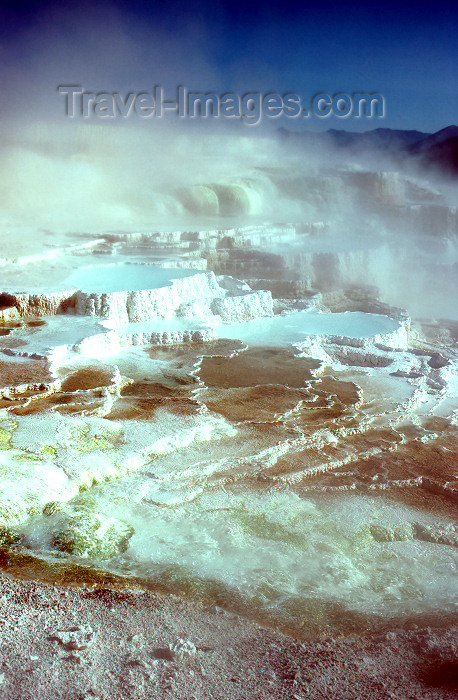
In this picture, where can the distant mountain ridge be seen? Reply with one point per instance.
(391, 138)
(438, 150)
(430, 140)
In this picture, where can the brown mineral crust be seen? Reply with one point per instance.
(24, 372)
(88, 378)
(257, 366)
(259, 403)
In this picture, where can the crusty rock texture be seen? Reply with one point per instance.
(81, 644)
(196, 296)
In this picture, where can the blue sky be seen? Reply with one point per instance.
(405, 50)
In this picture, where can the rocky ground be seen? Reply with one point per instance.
(87, 644)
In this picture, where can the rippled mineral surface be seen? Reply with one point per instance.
(257, 415)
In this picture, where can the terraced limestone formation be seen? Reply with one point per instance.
(258, 415)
